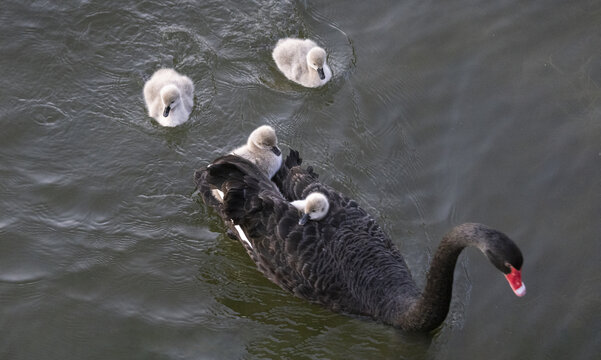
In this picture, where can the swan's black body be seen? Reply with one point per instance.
(344, 261)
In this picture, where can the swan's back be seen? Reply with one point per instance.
(344, 261)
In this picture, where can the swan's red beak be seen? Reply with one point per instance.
(515, 281)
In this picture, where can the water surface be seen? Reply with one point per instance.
(438, 113)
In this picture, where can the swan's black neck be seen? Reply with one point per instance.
(429, 309)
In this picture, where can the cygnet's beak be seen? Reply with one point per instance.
(303, 220)
(276, 150)
(166, 112)
(320, 73)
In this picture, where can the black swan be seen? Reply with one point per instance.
(344, 261)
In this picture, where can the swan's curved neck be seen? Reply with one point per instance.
(431, 307)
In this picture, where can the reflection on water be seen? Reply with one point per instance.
(437, 114)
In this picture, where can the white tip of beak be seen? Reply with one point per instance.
(521, 291)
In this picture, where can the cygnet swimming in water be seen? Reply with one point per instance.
(302, 61)
(169, 97)
(262, 150)
(315, 207)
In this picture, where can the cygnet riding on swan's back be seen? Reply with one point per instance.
(302, 61)
(262, 150)
(315, 207)
(169, 97)
(344, 260)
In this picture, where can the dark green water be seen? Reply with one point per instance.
(438, 113)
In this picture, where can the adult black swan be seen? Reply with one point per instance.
(343, 261)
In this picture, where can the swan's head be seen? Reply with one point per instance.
(264, 138)
(316, 58)
(505, 255)
(170, 96)
(315, 207)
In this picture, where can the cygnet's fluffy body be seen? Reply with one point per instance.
(169, 97)
(262, 150)
(302, 61)
(315, 207)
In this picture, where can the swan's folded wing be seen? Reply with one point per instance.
(293, 180)
(206, 191)
(270, 225)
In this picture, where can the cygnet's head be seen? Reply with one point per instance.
(316, 58)
(316, 207)
(170, 96)
(264, 138)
